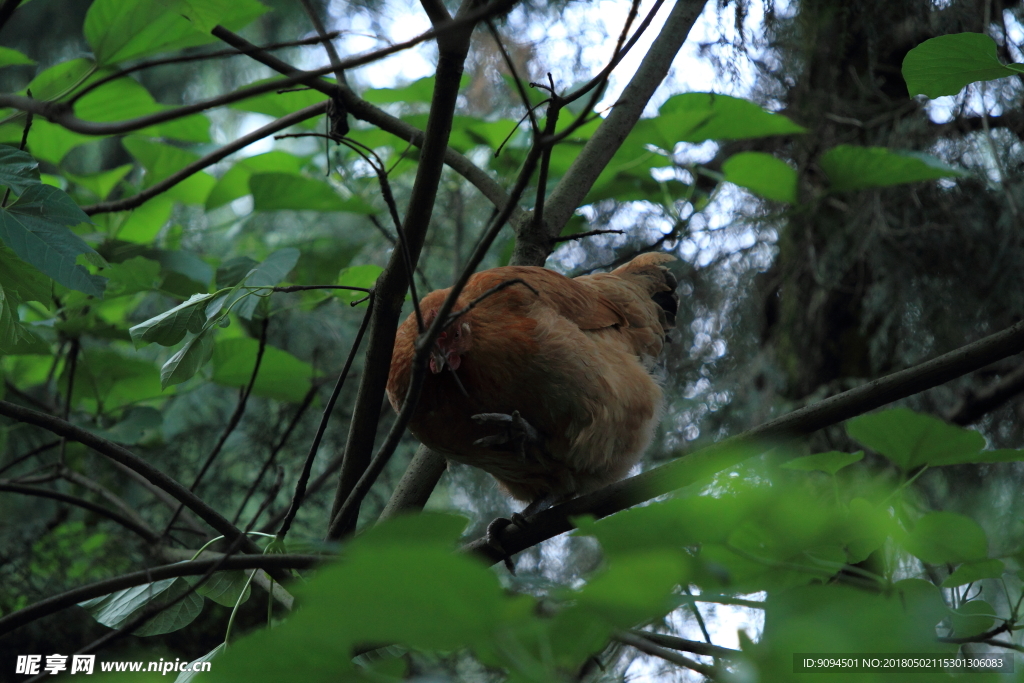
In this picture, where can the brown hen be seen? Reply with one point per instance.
(556, 370)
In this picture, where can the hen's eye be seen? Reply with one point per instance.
(457, 333)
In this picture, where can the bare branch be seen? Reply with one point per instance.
(206, 161)
(417, 483)
(533, 242)
(647, 647)
(694, 646)
(147, 534)
(125, 457)
(694, 467)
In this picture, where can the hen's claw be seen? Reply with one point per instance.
(495, 528)
(515, 435)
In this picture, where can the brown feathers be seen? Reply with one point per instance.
(571, 356)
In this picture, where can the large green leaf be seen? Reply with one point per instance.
(279, 104)
(830, 462)
(695, 117)
(969, 572)
(22, 280)
(357, 276)
(911, 439)
(119, 608)
(273, 191)
(763, 175)
(189, 358)
(282, 376)
(235, 183)
(118, 30)
(170, 327)
(855, 168)
(50, 142)
(276, 191)
(61, 78)
(941, 537)
(273, 270)
(9, 57)
(945, 64)
(225, 588)
(18, 170)
(972, 618)
(162, 160)
(126, 98)
(134, 275)
(106, 380)
(35, 228)
(101, 184)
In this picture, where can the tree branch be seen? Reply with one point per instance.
(694, 646)
(647, 647)
(417, 483)
(533, 243)
(206, 161)
(72, 597)
(122, 455)
(391, 286)
(147, 534)
(694, 467)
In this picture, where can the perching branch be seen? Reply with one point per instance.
(647, 647)
(687, 469)
(684, 645)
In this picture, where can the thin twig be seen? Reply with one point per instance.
(583, 235)
(647, 647)
(28, 454)
(181, 59)
(236, 417)
(493, 290)
(144, 532)
(515, 77)
(694, 646)
(300, 486)
(72, 367)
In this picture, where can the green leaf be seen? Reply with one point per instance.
(235, 183)
(117, 609)
(18, 170)
(118, 30)
(190, 672)
(135, 275)
(225, 588)
(763, 175)
(22, 280)
(50, 142)
(126, 98)
(695, 117)
(636, 587)
(279, 104)
(106, 379)
(267, 274)
(188, 360)
(170, 327)
(162, 160)
(421, 90)
(103, 183)
(282, 376)
(969, 572)
(973, 618)
(233, 271)
(830, 462)
(945, 64)
(357, 276)
(911, 439)
(9, 57)
(855, 168)
(142, 224)
(58, 80)
(998, 455)
(277, 191)
(34, 227)
(137, 422)
(941, 537)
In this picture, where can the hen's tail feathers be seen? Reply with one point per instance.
(647, 272)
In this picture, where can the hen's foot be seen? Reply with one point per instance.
(495, 528)
(516, 433)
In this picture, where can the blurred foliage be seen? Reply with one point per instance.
(837, 232)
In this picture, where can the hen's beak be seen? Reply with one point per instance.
(437, 359)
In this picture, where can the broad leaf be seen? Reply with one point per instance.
(170, 327)
(855, 168)
(763, 175)
(35, 228)
(119, 608)
(357, 276)
(119, 30)
(225, 588)
(18, 170)
(9, 57)
(276, 191)
(162, 160)
(273, 270)
(945, 64)
(50, 142)
(187, 361)
(695, 117)
(126, 98)
(22, 280)
(101, 184)
(190, 672)
(941, 537)
(282, 376)
(135, 275)
(830, 462)
(235, 183)
(972, 618)
(911, 439)
(969, 572)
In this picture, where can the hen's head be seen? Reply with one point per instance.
(450, 345)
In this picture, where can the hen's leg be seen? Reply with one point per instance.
(495, 528)
(516, 433)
